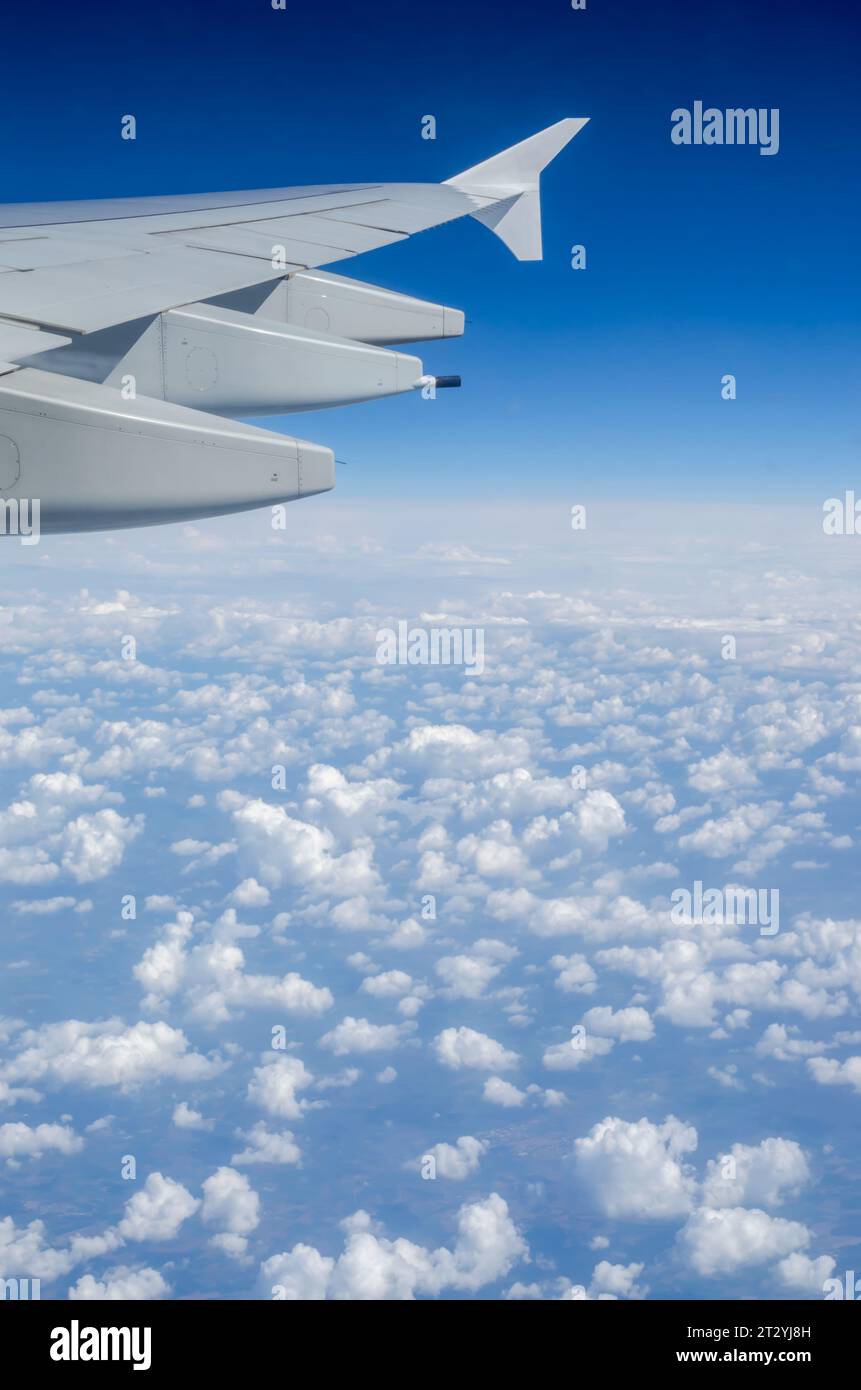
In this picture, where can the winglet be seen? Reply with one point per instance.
(506, 187)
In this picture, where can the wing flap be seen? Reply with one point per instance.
(102, 293)
(406, 208)
(18, 340)
(46, 252)
(326, 231)
(322, 232)
(243, 241)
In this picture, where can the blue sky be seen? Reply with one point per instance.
(261, 906)
(701, 261)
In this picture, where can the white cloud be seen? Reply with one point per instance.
(372, 1267)
(801, 1275)
(106, 1054)
(360, 1035)
(465, 977)
(500, 1092)
(391, 984)
(761, 1175)
(566, 1056)
(184, 1117)
(627, 682)
(725, 835)
(596, 819)
(455, 1161)
(464, 1047)
(781, 1041)
(265, 1146)
(122, 1283)
(230, 1203)
(25, 1253)
(616, 1281)
(250, 893)
(719, 1240)
(576, 975)
(286, 851)
(274, 1084)
(722, 772)
(303, 1275)
(157, 1211)
(637, 1169)
(20, 1141)
(455, 751)
(94, 845)
(828, 1072)
(626, 1025)
(211, 977)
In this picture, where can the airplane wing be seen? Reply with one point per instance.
(148, 316)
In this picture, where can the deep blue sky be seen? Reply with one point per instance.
(701, 260)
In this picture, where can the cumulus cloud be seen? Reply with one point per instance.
(828, 1072)
(25, 1253)
(501, 1092)
(275, 1083)
(211, 977)
(184, 1117)
(550, 799)
(608, 1282)
(465, 977)
(721, 772)
(716, 1241)
(625, 1025)
(761, 1175)
(616, 1281)
(94, 845)
(454, 750)
(802, 1275)
(250, 893)
(20, 1141)
(725, 835)
(576, 975)
(360, 1035)
(123, 1283)
(454, 1161)
(389, 984)
(283, 850)
(266, 1146)
(231, 1205)
(781, 1041)
(157, 1211)
(584, 1047)
(460, 1048)
(105, 1054)
(637, 1169)
(372, 1267)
